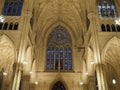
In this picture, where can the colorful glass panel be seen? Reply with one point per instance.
(12, 7)
(61, 55)
(106, 8)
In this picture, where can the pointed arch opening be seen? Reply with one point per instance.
(7, 59)
(58, 86)
(59, 50)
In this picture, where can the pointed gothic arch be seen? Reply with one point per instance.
(59, 82)
(114, 40)
(59, 50)
(58, 86)
(110, 59)
(7, 58)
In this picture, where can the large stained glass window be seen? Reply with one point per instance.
(59, 52)
(58, 86)
(12, 7)
(106, 8)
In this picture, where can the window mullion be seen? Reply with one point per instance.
(54, 57)
(63, 59)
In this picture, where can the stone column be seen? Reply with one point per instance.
(94, 28)
(101, 77)
(85, 86)
(32, 86)
(25, 83)
(92, 83)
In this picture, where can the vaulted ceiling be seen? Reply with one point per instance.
(49, 12)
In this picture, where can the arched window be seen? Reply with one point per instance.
(5, 26)
(11, 26)
(106, 8)
(1, 25)
(108, 27)
(113, 28)
(12, 7)
(103, 27)
(118, 28)
(59, 52)
(16, 26)
(58, 86)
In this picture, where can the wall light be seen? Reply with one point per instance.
(114, 81)
(36, 82)
(25, 62)
(5, 73)
(117, 21)
(31, 72)
(81, 83)
(92, 62)
(2, 18)
(86, 73)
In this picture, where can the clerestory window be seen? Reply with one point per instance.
(106, 8)
(59, 51)
(12, 7)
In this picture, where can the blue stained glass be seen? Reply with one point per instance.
(107, 8)
(60, 52)
(15, 9)
(12, 8)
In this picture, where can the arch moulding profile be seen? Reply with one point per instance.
(10, 41)
(114, 41)
(55, 81)
(45, 33)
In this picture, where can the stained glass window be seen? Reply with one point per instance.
(58, 86)
(12, 7)
(106, 8)
(59, 52)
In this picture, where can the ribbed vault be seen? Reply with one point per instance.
(7, 55)
(112, 55)
(49, 12)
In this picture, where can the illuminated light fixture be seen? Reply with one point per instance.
(36, 82)
(114, 81)
(31, 72)
(92, 62)
(2, 18)
(117, 21)
(86, 73)
(25, 62)
(81, 83)
(5, 73)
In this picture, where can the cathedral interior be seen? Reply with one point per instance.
(59, 45)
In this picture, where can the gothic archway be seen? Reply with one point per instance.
(7, 59)
(58, 86)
